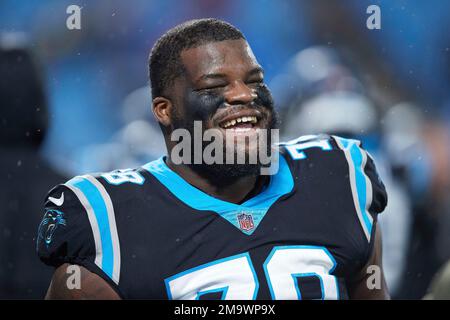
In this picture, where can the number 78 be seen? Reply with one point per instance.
(235, 277)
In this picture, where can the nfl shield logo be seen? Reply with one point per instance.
(245, 221)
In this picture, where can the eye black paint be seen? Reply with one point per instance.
(201, 106)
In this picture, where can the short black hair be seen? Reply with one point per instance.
(165, 63)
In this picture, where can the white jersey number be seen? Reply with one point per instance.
(234, 278)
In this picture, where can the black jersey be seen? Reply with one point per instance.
(152, 235)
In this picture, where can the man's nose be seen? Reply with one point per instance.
(240, 93)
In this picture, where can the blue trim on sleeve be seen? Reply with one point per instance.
(98, 206)
(361, 187)
(360, 181)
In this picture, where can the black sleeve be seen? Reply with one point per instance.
(65, 234)
(379, 194)
(368, 190)
(363, 175)
(379, 198)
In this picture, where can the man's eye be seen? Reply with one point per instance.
(255, 81)
(210, 88)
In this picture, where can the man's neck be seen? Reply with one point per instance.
(235, 192)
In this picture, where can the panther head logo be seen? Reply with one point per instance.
(52, 219)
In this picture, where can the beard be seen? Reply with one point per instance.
(223, 174)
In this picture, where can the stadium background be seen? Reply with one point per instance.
(328, 72)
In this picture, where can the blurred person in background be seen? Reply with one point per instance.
(24, 176)
(414, 146)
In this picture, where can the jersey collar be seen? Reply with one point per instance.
(245, 216)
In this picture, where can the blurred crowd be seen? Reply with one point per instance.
(76, 101)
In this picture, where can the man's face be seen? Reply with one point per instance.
(222, 83)
(223, 87)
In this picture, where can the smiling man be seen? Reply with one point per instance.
(196, 230)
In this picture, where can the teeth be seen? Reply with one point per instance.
(239, 120)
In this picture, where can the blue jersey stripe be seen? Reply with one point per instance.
(98, 206)
(361, 186)
(356, 157)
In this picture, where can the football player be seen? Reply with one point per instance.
(170, 230)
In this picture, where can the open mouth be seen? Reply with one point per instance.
(241, 123)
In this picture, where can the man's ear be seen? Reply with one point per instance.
(163, 109)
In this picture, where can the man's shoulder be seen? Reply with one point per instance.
(117, 182)
(337, 165)
(83, 216)
(118, 178)
(101, 191)
(317, 148)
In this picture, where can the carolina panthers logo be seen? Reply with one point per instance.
(52, 219)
